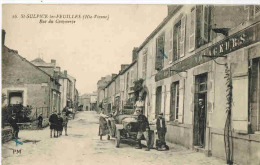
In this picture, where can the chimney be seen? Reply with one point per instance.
(57, 69)
(65, 73)
(134, 54)
(113, 75)
(123, 66)
(3, 36)
(53, 61)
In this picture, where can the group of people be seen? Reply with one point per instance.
(58, 122)
(143, 127)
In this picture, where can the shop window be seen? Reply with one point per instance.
(199, 26)
(174, 105)
(144, 63)
(160, 54)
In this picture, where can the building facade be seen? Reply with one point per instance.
(24, 83)
(191, 57)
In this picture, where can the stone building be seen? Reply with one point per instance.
(101, 89)
(64, 89)
(26, 84)
(186, 59)
(88, 101)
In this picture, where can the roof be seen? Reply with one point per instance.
(123, 71)
(120, 73)
(40, 62)
(24, 59)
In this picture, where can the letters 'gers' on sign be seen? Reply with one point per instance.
(232, 43)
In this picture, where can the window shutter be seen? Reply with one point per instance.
(174, 42)
(162, 52)
(182, 42)
(170, 54)
(157, 59)
(205, 25)
(240, 97)
(181, 99)
(173, 102)
(192, 30)
(159, 53)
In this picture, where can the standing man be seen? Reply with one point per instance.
(139, 105)
(15, 128)
(201, 122)
(143, 129)
(53, 121)
(161, 130)
(40, 119)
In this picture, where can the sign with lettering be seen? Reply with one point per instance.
(232, 43)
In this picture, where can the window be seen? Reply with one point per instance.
(144, 63)
(174, 105)
(256, 10)
(200, 26)
(132, 78)
(15, 98)
(127, 80)
(176, 41)
(159, 61)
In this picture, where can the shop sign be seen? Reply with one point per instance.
(222, 48)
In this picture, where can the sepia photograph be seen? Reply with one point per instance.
(130, 84)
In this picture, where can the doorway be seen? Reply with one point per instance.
(255, 95)
(200, 110)
(158, 101)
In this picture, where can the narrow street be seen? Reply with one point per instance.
(83, 146)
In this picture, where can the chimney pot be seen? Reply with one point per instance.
(134, 54)
(53, 61)
(65, 73)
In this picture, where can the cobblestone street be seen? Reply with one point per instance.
(83, 146)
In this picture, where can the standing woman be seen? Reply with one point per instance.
(103, 128)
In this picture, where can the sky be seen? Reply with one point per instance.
(89, 48)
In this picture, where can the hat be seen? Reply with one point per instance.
(201, 99)
(161, 114)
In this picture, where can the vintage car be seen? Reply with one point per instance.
(124, 127)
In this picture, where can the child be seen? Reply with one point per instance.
(65, 123)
